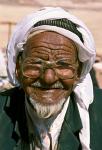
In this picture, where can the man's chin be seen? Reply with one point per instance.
(47, 111)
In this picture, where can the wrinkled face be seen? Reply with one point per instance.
(48, 67)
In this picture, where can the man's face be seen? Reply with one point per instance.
(47, 69)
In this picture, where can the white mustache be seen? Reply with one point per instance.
(56, 85)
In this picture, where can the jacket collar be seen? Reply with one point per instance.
(70, 128)
(69, 136)
(16, 112)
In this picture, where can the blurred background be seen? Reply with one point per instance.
(12, 11)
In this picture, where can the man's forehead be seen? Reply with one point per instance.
(50, 44)
(49, 37)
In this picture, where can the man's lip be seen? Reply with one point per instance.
(45, 88)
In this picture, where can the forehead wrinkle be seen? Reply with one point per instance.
(37, 49)
(41, 55)
(49, 37)
(65, 56)
(59, 45)
(47, 50)
(60, 52)
(35, 43)
(43, 48)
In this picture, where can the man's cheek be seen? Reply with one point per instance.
(27, 81)
(68, 83)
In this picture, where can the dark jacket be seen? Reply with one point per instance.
(12, 111)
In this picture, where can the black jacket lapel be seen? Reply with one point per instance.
(69, 136)
(16, 112)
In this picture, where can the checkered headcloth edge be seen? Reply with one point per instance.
(63, 23)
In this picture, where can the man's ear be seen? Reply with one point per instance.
(18, 67)
(79, 70)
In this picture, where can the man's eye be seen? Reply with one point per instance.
(62, 63)
(37, 62)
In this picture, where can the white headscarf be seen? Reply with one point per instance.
(86, 54)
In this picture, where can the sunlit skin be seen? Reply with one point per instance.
(48, 46)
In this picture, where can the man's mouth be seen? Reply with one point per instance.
(47, 94)
(56, 85)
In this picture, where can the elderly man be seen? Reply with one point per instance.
(50, 55)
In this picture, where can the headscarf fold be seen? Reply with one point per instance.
(86, 53)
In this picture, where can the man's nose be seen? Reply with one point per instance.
(49, 76)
